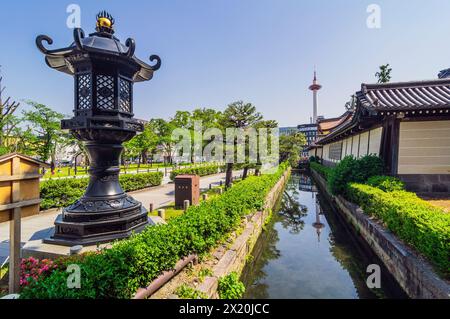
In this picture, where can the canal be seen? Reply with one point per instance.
(307, 251)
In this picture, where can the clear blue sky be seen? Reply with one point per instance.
(218, 51)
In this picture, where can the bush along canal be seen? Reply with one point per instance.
(308, 251)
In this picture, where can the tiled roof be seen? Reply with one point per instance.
(406, 95)
(330, 124)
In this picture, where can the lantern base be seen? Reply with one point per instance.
(95, 226)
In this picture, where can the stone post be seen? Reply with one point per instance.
(162, 213)
(186, 204)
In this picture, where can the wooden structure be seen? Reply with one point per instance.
(407, 124)
(19, 197)
(187, 187)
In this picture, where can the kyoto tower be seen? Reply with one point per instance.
(315, 87)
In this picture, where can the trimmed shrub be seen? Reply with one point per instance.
(200, 170)
(132, 263)
(354, 170)
(64, 192)
(418, 223)
(321, 169)
(386, 183)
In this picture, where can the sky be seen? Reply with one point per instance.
(215, 52)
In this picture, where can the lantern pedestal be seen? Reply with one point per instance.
(105, 212)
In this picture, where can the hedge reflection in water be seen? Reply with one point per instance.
(305, 252)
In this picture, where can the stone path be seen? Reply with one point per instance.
(39, 226)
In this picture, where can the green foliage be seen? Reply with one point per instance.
(386, 183)
(142, 143)
(290, 147)
(415, 221)
(351, 170)
(199, 170)
(203, 273)
(321, 169)
(315, 159)
(132, 263)
(186, 292)
(230, 287)
(63, 192)
(46, 125)
(384, 75)
(132, 182)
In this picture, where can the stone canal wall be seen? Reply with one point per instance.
(234, 258)
(413, 273)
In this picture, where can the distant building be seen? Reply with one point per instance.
(310, 131)
(288, 130)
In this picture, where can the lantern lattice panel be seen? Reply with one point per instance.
(105, 92)
(84, 91)
(125, 96)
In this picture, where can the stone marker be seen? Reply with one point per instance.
(75, 250)
(187, 187)
(205, 196)
(186, 204)
(162, 213)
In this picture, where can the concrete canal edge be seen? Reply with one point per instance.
(235, 257)
(412, 272)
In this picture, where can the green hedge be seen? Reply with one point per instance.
(200, 170)
(418, 223)
(63, 192)
(386, 183)
(353, 170)
(321, 169)
(118, 272)
(425, 227)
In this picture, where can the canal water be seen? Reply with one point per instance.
(307, 251)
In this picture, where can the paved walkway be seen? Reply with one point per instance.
(38, 226)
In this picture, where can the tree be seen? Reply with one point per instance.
(142, 143)
(47, 134)
(209, 118)
(384, 75)
(242, 116)
(163, 129)
(266, 124)
(8, 123)
(290, 147)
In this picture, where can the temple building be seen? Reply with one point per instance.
(407, 124)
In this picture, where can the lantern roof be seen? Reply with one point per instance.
(101, 42)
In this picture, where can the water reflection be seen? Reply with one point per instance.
(305, 252)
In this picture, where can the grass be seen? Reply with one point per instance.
(81, 170)
(171, 212)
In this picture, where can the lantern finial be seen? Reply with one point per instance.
(105, 22)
